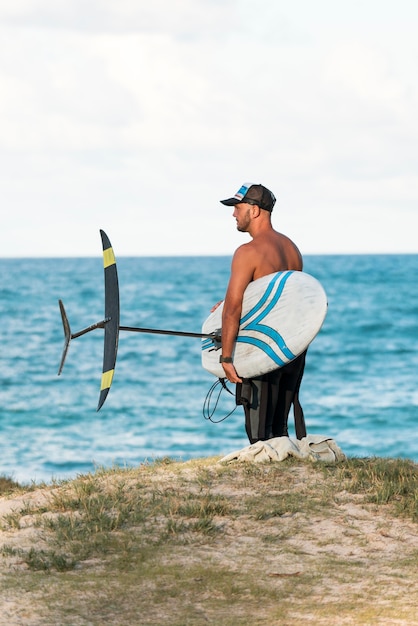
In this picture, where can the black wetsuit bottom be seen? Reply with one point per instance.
(267, 400)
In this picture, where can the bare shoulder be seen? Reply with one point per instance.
(245, 250)
(243, 266)
(291, 247)
(246, 257)
(276, 252)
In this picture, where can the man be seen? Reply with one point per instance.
(266, 399)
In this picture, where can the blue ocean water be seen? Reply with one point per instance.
(360, 385)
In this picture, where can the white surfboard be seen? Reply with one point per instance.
(281, 315)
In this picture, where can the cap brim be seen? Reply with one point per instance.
(230, 201)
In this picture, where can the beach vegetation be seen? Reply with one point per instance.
(204, 542)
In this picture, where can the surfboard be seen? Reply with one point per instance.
(281, 315)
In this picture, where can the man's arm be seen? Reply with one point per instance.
(242, 271)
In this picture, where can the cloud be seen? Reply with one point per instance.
(143, 115)
(182, 19)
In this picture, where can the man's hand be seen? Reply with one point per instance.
(231, 373)
(215, 306)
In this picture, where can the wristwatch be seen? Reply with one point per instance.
(225, 359)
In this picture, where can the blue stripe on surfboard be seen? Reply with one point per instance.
(207, 343)
(263, 329)
(273, 334)
(282, 276)
(271, 304)
(254, 324)
(264, 347)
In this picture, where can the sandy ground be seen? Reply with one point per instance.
(383, 546)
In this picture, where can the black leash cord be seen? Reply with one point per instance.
(207, 412)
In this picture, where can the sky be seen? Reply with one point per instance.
(137, 117)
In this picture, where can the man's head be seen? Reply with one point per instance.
(250, 193)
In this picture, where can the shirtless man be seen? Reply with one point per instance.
(266, 399)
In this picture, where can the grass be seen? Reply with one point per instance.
(8, 485)
(382, 481)
(199, 542)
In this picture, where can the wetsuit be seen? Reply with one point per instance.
(267, 400)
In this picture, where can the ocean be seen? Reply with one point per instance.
(360, 385)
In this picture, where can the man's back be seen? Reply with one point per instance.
(273, 252)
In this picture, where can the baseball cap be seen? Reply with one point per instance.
(253, 193)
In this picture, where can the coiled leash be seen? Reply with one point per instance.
(208, 413)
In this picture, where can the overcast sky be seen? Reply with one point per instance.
(137, 117)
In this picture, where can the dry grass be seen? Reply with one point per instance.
(203, 543)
